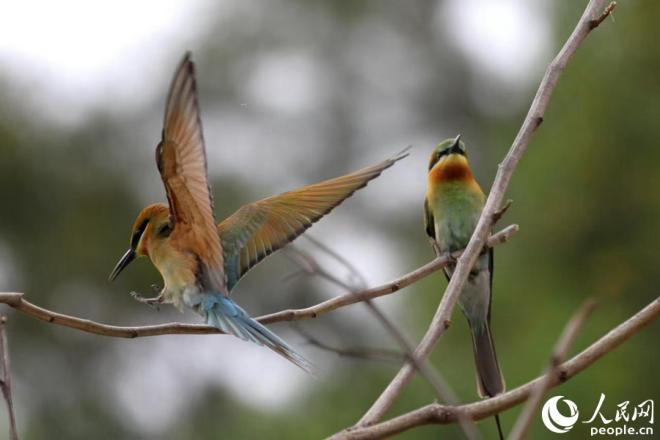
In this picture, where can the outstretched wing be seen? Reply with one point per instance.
(181, 160)
(258, 229)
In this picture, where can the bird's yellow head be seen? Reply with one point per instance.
(151, 228)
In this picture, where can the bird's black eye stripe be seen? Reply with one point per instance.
(438, 155)
(138, 234)
(165, 230)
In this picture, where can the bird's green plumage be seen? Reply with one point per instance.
(455, 209)
(260, 228)
(201, 262)
(452, 207)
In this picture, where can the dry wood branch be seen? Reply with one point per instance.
(607, 12)
(591, 18)
(441, 414)
(386, 289)
(5, 381)
(17, 301)
(362, 353)
(559, 353)
(442, 389)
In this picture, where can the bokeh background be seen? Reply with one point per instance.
(293, 92)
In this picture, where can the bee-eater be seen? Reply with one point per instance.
(453, 204)
(200, 262)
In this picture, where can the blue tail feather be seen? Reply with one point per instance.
(224, 314)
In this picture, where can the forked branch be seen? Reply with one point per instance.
(442, 414)
(593, 15)
(18, 302)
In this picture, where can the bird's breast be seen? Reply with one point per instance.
(178, 270)
(456, 209)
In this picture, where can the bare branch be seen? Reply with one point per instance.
(5, 382)
(433, 377)
(499, 213)
(441, 414)
(386, 289)
(363, 353)
(360, 281)
(607, 12)
(441, 320)
(18, 302)
(559, 353)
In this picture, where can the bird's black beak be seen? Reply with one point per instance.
(123, 262)
(456, 146)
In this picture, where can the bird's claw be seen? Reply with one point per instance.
(154, 302)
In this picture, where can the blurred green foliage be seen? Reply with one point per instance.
(586, 195)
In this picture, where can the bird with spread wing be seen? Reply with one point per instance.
(200, 262)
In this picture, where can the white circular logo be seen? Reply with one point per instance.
(556, 421)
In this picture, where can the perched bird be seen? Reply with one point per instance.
(200, 262)
(453, 204)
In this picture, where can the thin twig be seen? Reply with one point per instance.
(441, 414)
(5, 382)
(363, 353)
(442, 318)
(498, 214)
(559, 353)
(432, 376)
(360, 280)
(17, 301)
(393, 286)
(607, 12)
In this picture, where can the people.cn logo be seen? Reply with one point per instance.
(556, 421)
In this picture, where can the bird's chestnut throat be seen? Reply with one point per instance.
(451, 170)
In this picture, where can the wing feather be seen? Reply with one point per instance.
(260, 228)
(181, 159)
